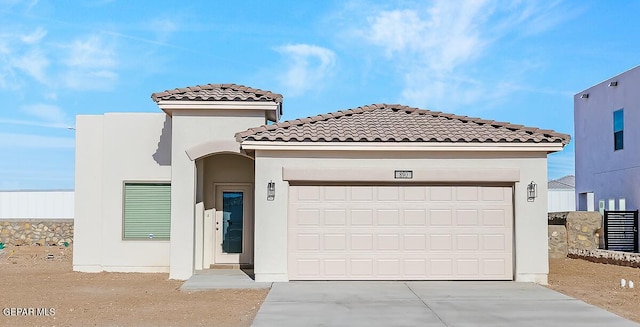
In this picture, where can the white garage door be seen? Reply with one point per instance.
(400, 233)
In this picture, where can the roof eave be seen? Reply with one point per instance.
(272, 108)
(401, 146)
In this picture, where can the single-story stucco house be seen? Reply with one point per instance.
(379, 192)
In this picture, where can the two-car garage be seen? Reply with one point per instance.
(400, 232)
(390, 192)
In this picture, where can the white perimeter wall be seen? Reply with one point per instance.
(110, 150)
(531, 253)
(36, 204)
(562, 200)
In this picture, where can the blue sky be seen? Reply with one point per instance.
(516, 61)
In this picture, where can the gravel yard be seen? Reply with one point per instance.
(29, 280)
(597, 284)
(41, 278)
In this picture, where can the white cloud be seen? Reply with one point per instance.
(443, 35)
(34, 63)
(50, 95)
(91, 64)
(434, 45)
(164, 25)
(21, 55)
(35, 123)
(46, 112)
(14, 140)
(35, 36)
(83, 63)
(308, 66)
(90, 52)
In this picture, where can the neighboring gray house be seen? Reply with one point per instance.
(562, 194)
(606, 152)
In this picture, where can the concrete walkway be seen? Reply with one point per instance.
(212, 279)
(426, 304)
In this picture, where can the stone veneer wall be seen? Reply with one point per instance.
(36, 231)
(584, 229)
(575, 230)
(558, 246)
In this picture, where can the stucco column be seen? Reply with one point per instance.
(183, 199)
(270, 219)
(531, 225)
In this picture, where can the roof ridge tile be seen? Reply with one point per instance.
(199, 92)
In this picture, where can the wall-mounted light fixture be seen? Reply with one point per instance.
(532, 191)
(614, 83)
(584, 96)
(271, 191)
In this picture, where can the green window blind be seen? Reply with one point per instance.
(147, 211)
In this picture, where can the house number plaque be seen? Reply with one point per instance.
(403, 174)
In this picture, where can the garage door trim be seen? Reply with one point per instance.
(475, 175)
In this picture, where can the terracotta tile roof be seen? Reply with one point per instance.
(217, 92)
(398, 123)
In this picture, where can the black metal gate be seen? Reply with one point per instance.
(621, 231)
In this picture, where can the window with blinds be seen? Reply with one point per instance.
(147, 211)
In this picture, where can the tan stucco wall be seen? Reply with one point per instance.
(225, 168)
(110, 150)
(118, 147)
(531, 259)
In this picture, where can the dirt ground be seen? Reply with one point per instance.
(28, 279)
(598, 284)
(31, 279)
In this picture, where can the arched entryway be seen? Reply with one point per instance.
(225, 195)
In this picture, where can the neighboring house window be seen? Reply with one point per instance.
(147, 211)
(618, 127)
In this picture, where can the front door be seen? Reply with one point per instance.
(233, 224)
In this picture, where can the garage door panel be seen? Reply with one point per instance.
(467, 193)
(388, 242)
(388, 194)
(496, 242)
(335, 242)
(494, 194)
(468, 217)
(467, 242)
(364, 193)
(414, 217)
(495, 217)
(361, 217)
(394, 268)
(414, 194)
(335, 267)
(400, 239)
(440, 217)
(307, 242)
(362, 242)
(334, 217)
(414, 242)
(440, 242)
(389, 232)
(308, 217)
(468, 267)
(308, 193)
(335, 193)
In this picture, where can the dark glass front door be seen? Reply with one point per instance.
(232, 223)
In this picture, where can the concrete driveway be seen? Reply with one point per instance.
(426, 304)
